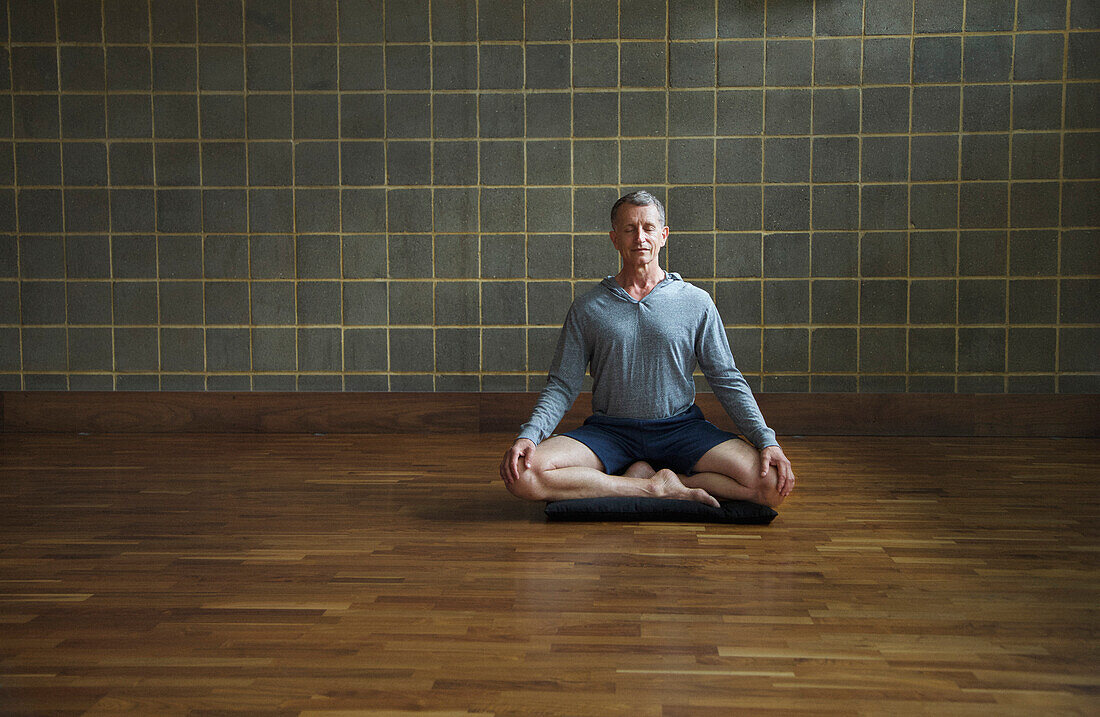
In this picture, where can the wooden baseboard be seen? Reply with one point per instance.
(848, 414)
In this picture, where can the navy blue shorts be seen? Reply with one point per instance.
(677, 442)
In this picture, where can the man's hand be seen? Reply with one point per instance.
(521, 451)
(773, 456)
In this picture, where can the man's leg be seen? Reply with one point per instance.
(563, 468)
(732, 470)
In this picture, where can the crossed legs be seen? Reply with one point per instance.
(562, 468)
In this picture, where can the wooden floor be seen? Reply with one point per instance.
(205, 574)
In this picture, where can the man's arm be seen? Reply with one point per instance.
(563, 383)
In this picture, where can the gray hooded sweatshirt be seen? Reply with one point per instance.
(641, 355)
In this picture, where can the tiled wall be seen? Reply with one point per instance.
(881, 195)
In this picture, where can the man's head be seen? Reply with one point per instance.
(640, 198)
(638, 229)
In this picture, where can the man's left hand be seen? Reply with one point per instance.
(773, 456)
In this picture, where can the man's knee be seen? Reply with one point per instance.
(532, 482)
(767, 491)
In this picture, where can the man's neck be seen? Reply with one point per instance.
(639, 281)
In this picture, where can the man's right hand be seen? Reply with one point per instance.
(521, 452)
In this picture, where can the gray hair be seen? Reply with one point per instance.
(640, 198)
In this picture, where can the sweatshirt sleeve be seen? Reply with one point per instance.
(563, 382)
(712, 351)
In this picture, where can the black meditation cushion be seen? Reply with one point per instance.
(639, 509)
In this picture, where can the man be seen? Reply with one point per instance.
(641, 334)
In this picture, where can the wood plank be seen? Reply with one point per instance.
(1053, 415)
(380, 574)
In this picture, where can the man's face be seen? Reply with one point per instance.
(638, 234)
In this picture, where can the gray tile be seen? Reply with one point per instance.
(361, 68)
(87, 210)
(738, 208)
(87, 257)
(135, 302)
(410, 256)
(834, 254)
(318, 257)
(456, 256)
(740, 112)
(1078, 205)
(497, 209)
(411, 350)
(833, 350)
(932, 350)
(272, 257)
(934, 206)
(269, 117)
(452, 21)
(550, 162)
(887, 17)
(269, 164)
(844, 17)
(361, 116)
(456, 303)
(691, 208)
(458, 349)
(1034, 384)
(221, 68)
(690, 113)
(786, 302)
(456, 210)
(932, 16)
(692, 19)
(456, 115)
(225, 210)
(987, 58)
(1035, 204)
(547, 302)
(981, 301)
(886, 61)
(837, 61)
(228, 350)
(981, 349)
(1077, 349)
(595, 114)
(223, 164)
(175, 69)
(936, 109)
(408, 67)
(595, 65)
(984, 156)
(502, 257)
(136, 349)
(317, 163)
(786, 255)
(1035, 253)
(1038, 57)
(1078, 252)
(226, 302)
(836, 159)
(82, 69)
(319, 350)
(268, 68)
(317, 116)
(740, 18)
(1031, 349)
(503, 302)
(34, 69)
(1082, 155)
(180, 302)
(318, 302)
(39, 211)
(363, 164)
(223, 116)
(1077, 301)
(836, 111)
(549, 257)
(1032, 301)
(501, 162)
(179, 210)
(934, 157)
(787, 111)
(991, 16)
(786, 159)
(885, 109)
(691, 64)
(274, 349)
(44, 349)
(641, 64)
(789, 19)
(834, 301)
(986, 108)
(365, 350)
(884, 254)
(501, 115)
(132, 257)
(932, 301)
(548, 66)
(937, 59)
(932, 253)
(738, 160)
(692, 256)
(503, 350)
(642, 114)
(365, 303)
(548, 209)
(883, 206)
(38, 163)
(35, 116)
(317, 210)
(836, 207)
(882, 350)
(314, 20)
(181, 349)
(884, 159)
(982, 253)
(883, 301)
(785, 350)
(42, 302)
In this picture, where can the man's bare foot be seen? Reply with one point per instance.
(666, 484)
